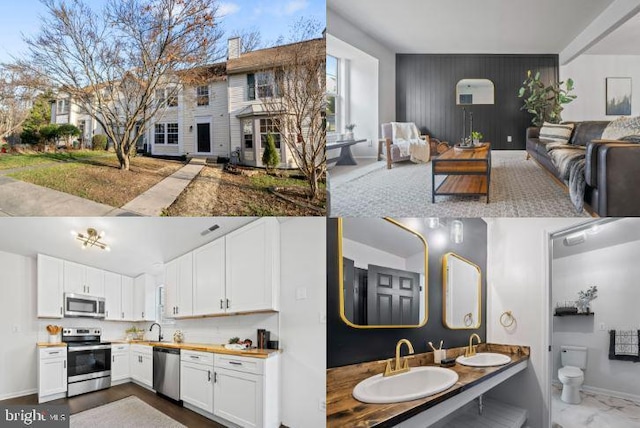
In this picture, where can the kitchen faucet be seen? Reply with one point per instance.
(159, 330)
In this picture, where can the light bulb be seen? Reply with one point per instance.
(433, 222)
(457, 232)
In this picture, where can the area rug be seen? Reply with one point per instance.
(519, 188)
(130, 412)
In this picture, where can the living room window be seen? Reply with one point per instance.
(333, 95)
(166, 133)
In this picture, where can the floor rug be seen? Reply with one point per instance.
(519, 188)
(130, 412)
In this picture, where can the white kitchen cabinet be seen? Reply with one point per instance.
(120, 360)
(209, 296)
(253, 379)
(141, 364)
(52, 373)
(113, 296)
(178, 287)
(50, 287)
(253, 267)
(144, 298)
(80, 279)
(170, 288)
(127, 299)
(196, 379)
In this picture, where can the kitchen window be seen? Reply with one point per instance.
(202, 95)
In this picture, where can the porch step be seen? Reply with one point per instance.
(202, 160)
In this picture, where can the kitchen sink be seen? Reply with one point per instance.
(418, 382)
(484, 359)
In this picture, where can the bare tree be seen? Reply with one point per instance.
(16, 97)
(250, 38)
(300, 103)
(114, 64)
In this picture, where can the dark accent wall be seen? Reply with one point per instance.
(347, 345)
(426, 92)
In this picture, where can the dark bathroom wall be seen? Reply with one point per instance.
(426, 92)
(347, 345)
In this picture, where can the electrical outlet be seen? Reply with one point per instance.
(509, 139)
(602, 327)
(322, 405)
(301, 293)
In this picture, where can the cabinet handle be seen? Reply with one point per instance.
(221, 304)
(194, 356)
(235, 363)
(60, 310)
(113, 358)
(143, 315)
(65, 364)
(228, 303)
(209, 374)
(215, 377)
(51, 352)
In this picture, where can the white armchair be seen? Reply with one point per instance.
(402, 142)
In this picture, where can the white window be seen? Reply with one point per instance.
(166, 133)
(269, 126)
(168, 96)
(333, 95)
(63, 106)
(160, 98)
(202, 95)
(265, 83)
(247, 133)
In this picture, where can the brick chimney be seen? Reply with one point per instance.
(234, 48)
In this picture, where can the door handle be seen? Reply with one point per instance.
(209, 374)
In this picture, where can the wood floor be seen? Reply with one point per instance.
(83, 402)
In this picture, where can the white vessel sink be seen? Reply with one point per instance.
(418, 382)
(484, 359)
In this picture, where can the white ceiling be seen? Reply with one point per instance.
(619, 231)
(471, 26)
(138, 245)
(379, 233)
(625, 40)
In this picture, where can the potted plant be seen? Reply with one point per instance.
(350, 128)
(545, 102)
(476, 137)
(585, 298)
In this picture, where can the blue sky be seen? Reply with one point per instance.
(270, 17)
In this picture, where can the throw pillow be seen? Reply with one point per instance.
(560, 133)
(622, 127)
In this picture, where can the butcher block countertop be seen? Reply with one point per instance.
(345, 411)
(51, 345)
(206, 347)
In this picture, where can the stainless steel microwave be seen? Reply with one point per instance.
(82, 305)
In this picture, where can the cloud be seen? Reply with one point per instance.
(226, 9)
(294, 6)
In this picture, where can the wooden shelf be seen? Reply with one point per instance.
(464, 185)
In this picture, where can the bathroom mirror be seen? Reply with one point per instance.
(474, 91)
(383, 273)
(461, 292)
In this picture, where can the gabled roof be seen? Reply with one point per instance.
(272, 57)
(206, 73)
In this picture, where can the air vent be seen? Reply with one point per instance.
(209, 230)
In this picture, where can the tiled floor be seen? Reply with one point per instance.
(597, 411)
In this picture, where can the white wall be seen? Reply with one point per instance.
(17, 311)
(517, 267)
(345, 31)
(303, 321)
(589, 73)
(615, 271)
(363, 255)
(358, 86)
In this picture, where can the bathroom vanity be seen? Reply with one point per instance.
(344, 410)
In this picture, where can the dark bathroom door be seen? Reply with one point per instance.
(393, 296)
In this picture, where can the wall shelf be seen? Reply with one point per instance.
(575, 315)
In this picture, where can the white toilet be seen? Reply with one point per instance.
(574, 361)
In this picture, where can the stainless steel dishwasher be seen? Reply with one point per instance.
(166, 372)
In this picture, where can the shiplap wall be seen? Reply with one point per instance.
(425, 94)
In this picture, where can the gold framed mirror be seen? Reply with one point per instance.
(461, 293)
(383, 274)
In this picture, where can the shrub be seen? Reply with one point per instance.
(30, 136)
(50, 133)
(270, 157)
(99, 142)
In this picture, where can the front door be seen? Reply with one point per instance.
(204, 137)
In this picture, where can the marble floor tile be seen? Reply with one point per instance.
(596, 411)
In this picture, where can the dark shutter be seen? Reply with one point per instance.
(251, 84)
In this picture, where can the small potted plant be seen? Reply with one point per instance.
(350, 128)
(476, 137)
(585, 298)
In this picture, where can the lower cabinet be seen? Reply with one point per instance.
(196, 379)
(52, 373)
(141, 364)
(120, 363)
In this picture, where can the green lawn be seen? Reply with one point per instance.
(264, 181)
(11, 161)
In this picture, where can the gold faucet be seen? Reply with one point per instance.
(400, 367)
(471, 350)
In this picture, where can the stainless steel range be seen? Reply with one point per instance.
(88, 360)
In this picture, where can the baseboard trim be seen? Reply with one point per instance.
(18, 394)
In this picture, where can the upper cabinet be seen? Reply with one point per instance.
(144, 298)
(113, 296)
(50, 287)
(253, 267)
(237, 273)
(127, 299)
(80, 279)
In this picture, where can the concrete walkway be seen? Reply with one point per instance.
(21, 199)
(163, 194)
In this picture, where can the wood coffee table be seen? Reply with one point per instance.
(468, 172)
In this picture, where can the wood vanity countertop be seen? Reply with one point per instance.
(345, 411)
(51, 345)
(206, 347)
